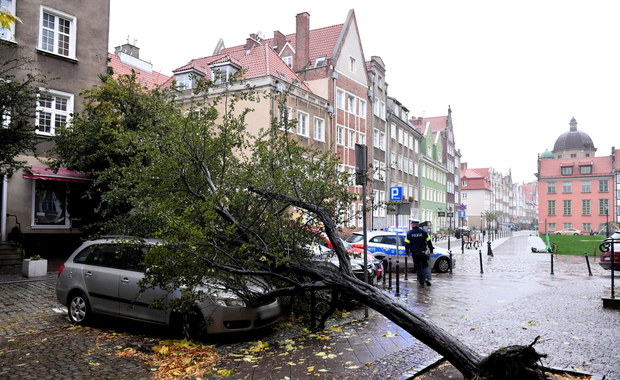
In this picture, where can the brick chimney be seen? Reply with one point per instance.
(279, 40)
(302, 40)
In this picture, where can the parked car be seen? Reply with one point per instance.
(102, 277)
(605, 258)
(328, 255)
(569, 231)
(355, 252)
(382, 244)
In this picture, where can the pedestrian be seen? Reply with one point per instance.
(416, 242)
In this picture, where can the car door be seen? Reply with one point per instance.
(133, 303)
(386, 244)
(101, 277)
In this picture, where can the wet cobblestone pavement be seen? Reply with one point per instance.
(513, 301)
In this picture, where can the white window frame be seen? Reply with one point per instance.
(320, 61)
(361, 110)
(361, 138)
(303, 121)
(340, 99)
(288, 59)
(319, 129)
(340, 135)
(351, 139)
(8, 34)
(352, 65)
(351, 104)
(54, 113)
(55, 43)
(185, 81)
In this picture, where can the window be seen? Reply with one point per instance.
(53, 111)
(352, 65)
(340, 99)
(185, 81)
(361, 110)
(550, 187)
(551, 226)
(288, 59)
(603, 186)
(586, 169)
(585, 207)
(351, 102)
(567, 170)
(586, 186)
(567, 187)
(340, 135)
(603, 207)
(361, 138)
(8, 33)
(568, 207)
(586, 227)
(320, 61)
(303, 129)
(57, 32)
(284, 117)
(351, 139)
(376, 174)
(568, 226)
(551, 208)
(50, 204)
(319, 129)
(375, 138)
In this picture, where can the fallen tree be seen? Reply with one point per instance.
(232, 205)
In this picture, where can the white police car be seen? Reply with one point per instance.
(382, 244)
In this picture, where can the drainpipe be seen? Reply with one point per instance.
(3, 209)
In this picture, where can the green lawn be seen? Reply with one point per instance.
(575, 245)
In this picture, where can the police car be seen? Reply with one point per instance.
(382, 244)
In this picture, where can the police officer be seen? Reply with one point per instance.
(416, 242)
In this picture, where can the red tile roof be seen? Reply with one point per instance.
(262, 60)
(438, 123)
(150, 80)
(553, 167)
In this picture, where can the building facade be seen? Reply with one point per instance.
(67, 41)
(575, 187)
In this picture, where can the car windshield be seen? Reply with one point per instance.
(355, 238)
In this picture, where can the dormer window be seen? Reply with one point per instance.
(288, 59)
(187, 80)
(222, 72)
(567, 170)
(320, 61)
(585, 169)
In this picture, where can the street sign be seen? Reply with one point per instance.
(462, 214)
(462, 207)
(441, 214)
(450, 214)
(396, 193)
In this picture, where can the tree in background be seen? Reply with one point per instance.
(234, 208)
(19, 88)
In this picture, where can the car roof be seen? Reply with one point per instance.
(115, 239)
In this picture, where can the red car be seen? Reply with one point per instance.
(614, 246)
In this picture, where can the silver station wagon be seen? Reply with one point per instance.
(103, 277)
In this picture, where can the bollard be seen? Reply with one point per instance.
(480, 255)
(450, 267)
(551, 262)
(462, 245)
(406, 269)
(489, 251)
(390, 274)
(588, 262)
(385, 265)
(397, 294)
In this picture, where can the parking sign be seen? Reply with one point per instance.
(396, 193)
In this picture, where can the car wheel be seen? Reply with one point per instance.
(79, 309)
(557, 233)
(442, 265)
(193, 324)
(576, 234)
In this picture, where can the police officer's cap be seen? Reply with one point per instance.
(415, 221)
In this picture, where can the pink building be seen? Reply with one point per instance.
(575, 188)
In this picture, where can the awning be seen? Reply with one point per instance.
(47, 174)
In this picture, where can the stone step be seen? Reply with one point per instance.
(9, 255)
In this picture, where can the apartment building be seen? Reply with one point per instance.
(68, 41)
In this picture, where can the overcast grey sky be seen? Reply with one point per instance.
(514, 72)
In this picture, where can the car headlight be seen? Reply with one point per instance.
(228, 301)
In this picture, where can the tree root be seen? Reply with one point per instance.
(513, 363)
